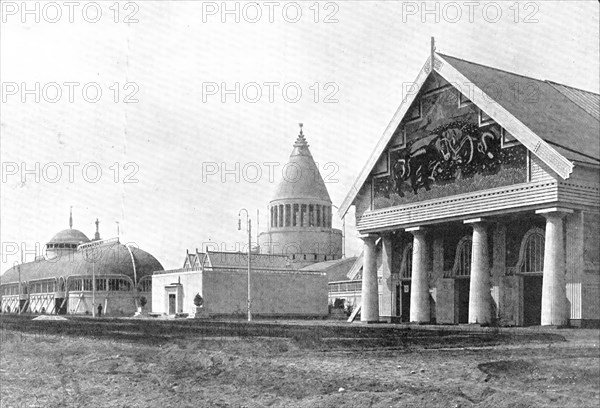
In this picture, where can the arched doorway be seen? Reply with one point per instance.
(461, 272)
(531, 266)
(403, 288)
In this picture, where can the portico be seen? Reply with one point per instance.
(467, 271)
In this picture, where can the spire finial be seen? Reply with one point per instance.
(97, 235)
(301, 141)
(71, 217)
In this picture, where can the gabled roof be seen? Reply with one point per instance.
(336, 270)
(193, 259)
(561, 115)
(557, 123)
(240, 260)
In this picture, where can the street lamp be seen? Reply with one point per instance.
(249, 229)
(16, 263)
(90, 254)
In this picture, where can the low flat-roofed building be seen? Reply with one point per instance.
(221, 278)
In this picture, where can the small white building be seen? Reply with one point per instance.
(221, 278)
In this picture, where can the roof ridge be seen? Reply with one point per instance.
(240, 253)
(514, 73)
(572, 87)
(556, 86)
(573, 150)
(490, 67)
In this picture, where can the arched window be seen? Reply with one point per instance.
(288, 215)
(145, 284)
(296, 217)
(462, 260)
(318, 215)
(272, 216)
(303, 215)
(406, 265)
(280, 215)
(531, 254)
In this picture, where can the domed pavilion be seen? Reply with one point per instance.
(77, 274)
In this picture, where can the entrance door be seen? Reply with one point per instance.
(462, 296)
(405, 289)
(23, 305)
(532, 300)
(172, 304)
(60, 306)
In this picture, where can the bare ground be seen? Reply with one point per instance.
(559, 368)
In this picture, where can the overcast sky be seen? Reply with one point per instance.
(162, 118)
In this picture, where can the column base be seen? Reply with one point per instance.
(585, 323)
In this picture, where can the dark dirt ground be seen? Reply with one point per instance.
(50, 368)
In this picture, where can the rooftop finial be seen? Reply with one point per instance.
(97, 235)
(301, 141)
(71, 217)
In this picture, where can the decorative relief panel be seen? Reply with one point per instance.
(450, 148)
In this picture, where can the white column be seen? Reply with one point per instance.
(419, 291)
(386, 279)
(479, 291)
(370, 296)
(554, 298)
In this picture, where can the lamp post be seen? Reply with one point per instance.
(16, 263)
(90, 255)
(94, 287)
(249, 230)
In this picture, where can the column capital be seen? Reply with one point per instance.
(554, 212)
(368, 237)
(475, 221)
(420, 230)
(387, 234)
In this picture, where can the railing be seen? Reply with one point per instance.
(97, 243)
(345, 287)
(192, 269)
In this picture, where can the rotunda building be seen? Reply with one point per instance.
(80, 276)
(300, 213)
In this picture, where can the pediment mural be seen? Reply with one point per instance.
(445, 146)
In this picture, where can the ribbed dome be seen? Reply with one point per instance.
(69, 236)
(301, 177)
(112, 258)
